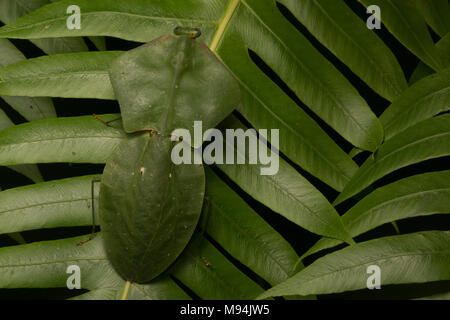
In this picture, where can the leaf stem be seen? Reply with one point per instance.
(126, 290)
(223, 24)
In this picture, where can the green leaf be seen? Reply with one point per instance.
(99, 42)
(261, 96)
(5, 122)
(412, 258)
(44, 265)
(149, 207)
(9, 53)
(423, 100)
(89, 140)
(253, 242)
(443, 48)
(400, 200)
(347, 37)
(72, 75)
(354, 152)
(405, 22)
(47, 150)
(135, 20)
(30, 171)
(170, 83)
(419, 195)
(209, 275)
(280, 73)
(163, 288)
(60, 203)
(422, 70)
(67, 202)
(439, 296)
(77, 139)
(61, 45)
(286, 192)
(16, 236)
(426, 140)
(321, 244)
(32, 108)
(10, 10)
(183, 83)
(301, 139)
(351, 116)
(29, 108)
(313, 78)
(436, 13)
(321, 156)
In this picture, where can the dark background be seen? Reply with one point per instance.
(299, 238)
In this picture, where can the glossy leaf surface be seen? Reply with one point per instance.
(411, 258)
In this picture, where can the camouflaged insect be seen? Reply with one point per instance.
(148, 206)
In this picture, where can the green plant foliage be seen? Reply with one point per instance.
(408, 25)
(419, 257)
(395, 201)
(427, 98)
(426, 140)
(148, 206)
(363, 142)
(436, 14)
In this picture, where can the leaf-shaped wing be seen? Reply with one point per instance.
(171, 82)
(149, 207)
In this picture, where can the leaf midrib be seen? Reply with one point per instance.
(55, 139)
(378, 161)
(251, 239)
(305, 141)
(54, 75)
(353, 221)
(311, 74)
(51, 262)
(411, 144)
(21, 4)
(416, 104)
(197, 261)
(296, 200)
(319, 154)
(409, 254)
(366, 54)
(45, 22)
(223, 24)
(50, 203)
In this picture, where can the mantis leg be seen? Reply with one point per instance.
(107, 123)
(93, 212)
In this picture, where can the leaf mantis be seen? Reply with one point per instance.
(148, 206)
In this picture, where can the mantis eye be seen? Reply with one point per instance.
(192, 33)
